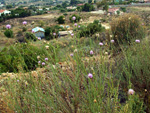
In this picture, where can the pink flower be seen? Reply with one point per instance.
(43, 63)
(8, 26)
(32, 31)
(54, 34)
(137, 41)
(131, 91)
(112, 41)
(71, 54)
(72, 34)
(79, 26)
(46, 59)
(75, 24)
(101, 44)
(90, 75)
(91, 52)
(73, 18)
(39, 38)
(24, 22)
(39, 62)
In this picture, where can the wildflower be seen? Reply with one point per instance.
(54, 34)
(39, 62)
(90, 75)
(44, 41)
(73, 18)
(75, 50)
(38, 57)
(43, 63)
(95, 100)
(101, 44)
(17, 80)
(106, 53)
(131, 91)
(24, 22)
(39, 38)
(110, 36)
(79, 26)
(72, 34)
(47, 47)
(137, 41)
(26, 83)
(72, 46)
(46, 59)
(71, 54)
(8, 26)
(97, 35)
(129, 18)
(112, 41)
(145, 90)
(32, 31)
(75, 24)
(29, 91)
(91, 52)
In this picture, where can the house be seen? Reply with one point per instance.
(5, 12)
(80, 4)
(39, 32)
(71, 7)
(113, 11)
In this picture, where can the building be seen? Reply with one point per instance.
(113, 11)
(5, 12)
(39, 32)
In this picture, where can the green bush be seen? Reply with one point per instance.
(8, 33)
(61, 20)
(88, 7)
(30, 36)
(77, 18)
(91, 29)
(127, 27)
(23, 57)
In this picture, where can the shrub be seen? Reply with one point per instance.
(77, 18)
(23, 57)
(61, 20)
(30, 36)
(8, 33)
(123, 9)
(88, 7)
(91, 29)
(126, 28)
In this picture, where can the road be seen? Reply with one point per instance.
(134, 4)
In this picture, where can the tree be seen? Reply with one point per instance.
(64, 4)
(91, 1)
(88, 7)
(106, 7)
(73, 2)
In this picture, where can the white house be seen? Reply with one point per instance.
(5, 12)
(39, 32)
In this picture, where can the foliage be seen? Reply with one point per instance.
(8, 33)
(77, 18)
(106, 7)
(127, 27)
(91, 29)
(123, 9)
(30, 36)
(24, 29)
(88, 7)
(61, 19)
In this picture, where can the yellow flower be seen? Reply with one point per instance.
(95, 100)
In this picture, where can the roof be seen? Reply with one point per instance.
(1, 11)
(38, 29)
(113, 9)
(80, 4)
